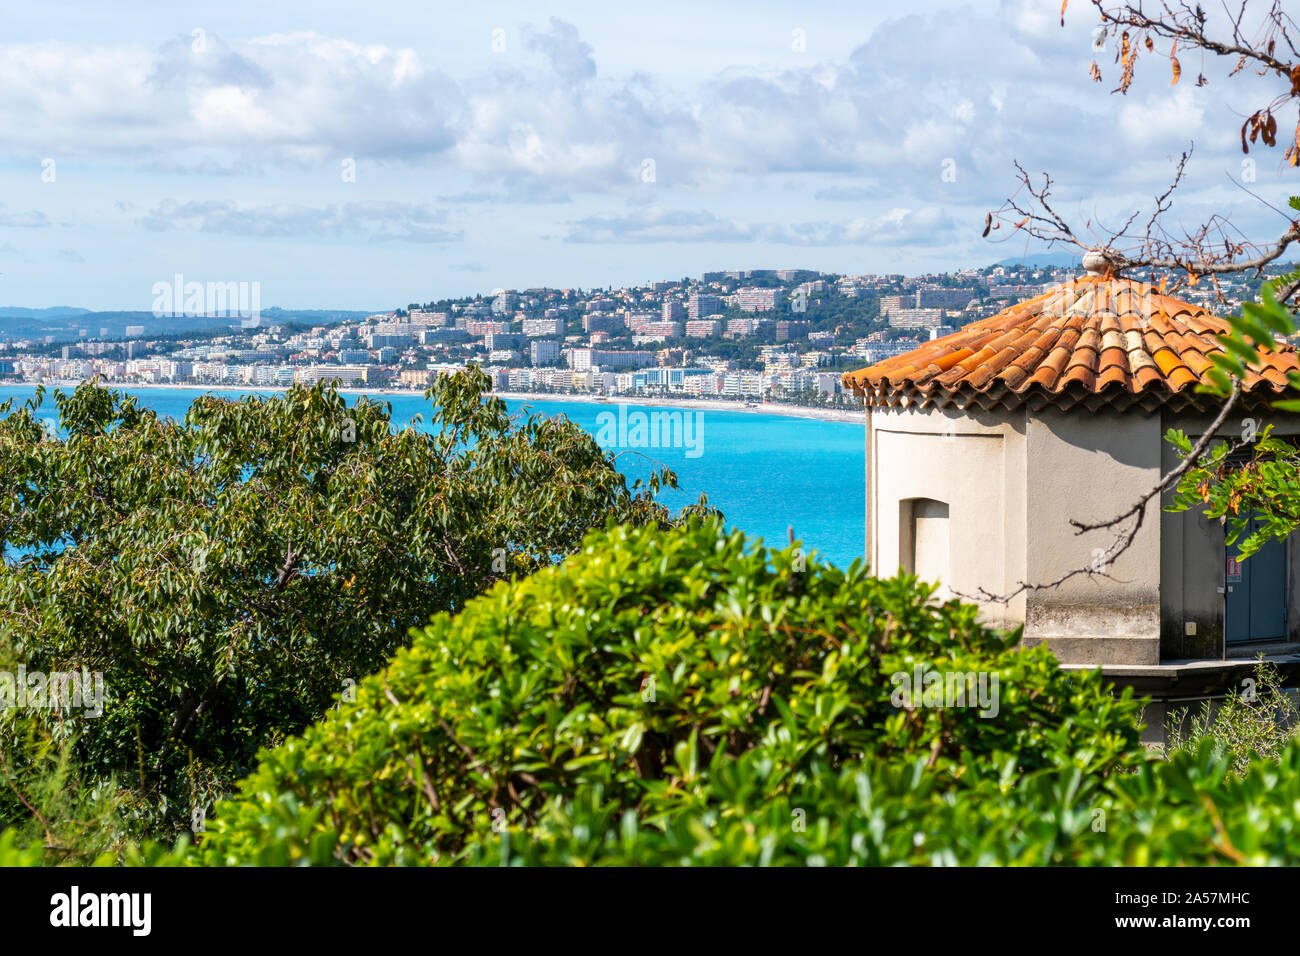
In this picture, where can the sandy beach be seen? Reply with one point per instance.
(847, 415)
(852, 415)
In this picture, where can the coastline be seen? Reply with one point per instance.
(853, 416)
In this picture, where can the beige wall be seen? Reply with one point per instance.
(971, 463)
(1091, 467)
(1011, 483)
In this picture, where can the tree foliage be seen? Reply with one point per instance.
(234, 574)
(1251, 482)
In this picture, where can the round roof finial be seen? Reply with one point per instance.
(1100, 261)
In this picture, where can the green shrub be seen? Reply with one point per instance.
(1258, 721)
(679, 696)
(1191, 811)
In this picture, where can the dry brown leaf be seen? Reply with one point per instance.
(1178, 70)
(1064, 4)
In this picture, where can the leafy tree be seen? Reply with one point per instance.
(1252, 483)
(234, 574)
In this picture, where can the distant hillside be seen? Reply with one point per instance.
(1040, 260)
(54, 312)
(65, 323)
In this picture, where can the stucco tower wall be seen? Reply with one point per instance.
(922, 463)
(1092, 467)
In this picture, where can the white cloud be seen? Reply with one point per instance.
(28, 219)
(657, 225)
(1166, 118)
(980, 89)
(283, 97)
(408, 222)
(817, 150)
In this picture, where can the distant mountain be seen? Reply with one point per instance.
(65, 324)
(1040, 260)
(54, 312)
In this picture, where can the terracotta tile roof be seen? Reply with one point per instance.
(1093, 341)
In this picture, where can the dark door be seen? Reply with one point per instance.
(1255, 594)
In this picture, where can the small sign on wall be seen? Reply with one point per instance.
(1233, 575)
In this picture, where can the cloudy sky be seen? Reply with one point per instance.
(350, 155)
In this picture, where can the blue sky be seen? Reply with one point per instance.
(568, 144)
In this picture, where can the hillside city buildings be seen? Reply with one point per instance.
(772, 335)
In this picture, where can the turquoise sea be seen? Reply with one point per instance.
(767, 473)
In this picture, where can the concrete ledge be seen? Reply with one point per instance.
(1179, 679)
(1177, 688)
(1100, 651)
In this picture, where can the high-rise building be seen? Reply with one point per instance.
(698, 306)
(497, 341)
(738, 328)
(916, 318)
(582, 359)
(787, 329)
(538, 327)
(702, 328)
(544, 352)
(483, 327)
(943, 298)
(395, 340)
(602, 322)
(758, 300)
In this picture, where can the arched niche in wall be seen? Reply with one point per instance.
(924, 541)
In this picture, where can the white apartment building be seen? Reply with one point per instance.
(743, 383)
(583, 359)
(534, 328)
(311, 374)
(702, 328)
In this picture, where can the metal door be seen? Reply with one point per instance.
(1255, 594)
